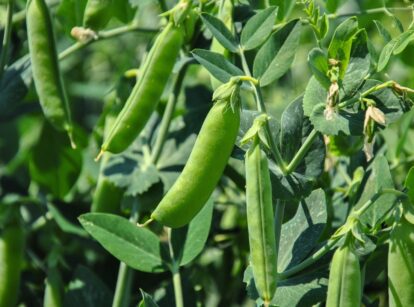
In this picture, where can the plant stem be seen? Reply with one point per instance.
(301, 152)
(175, 270)
(377, 195)
(105, 35)
(309, 261)
(125, 273)
(6, 37)
(262, 108)
(168, 114)
(371, 11)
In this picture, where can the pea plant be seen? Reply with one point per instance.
(206, 153)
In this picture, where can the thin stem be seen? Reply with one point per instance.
(125, 273)
(168, 114)
(309, 261)
(262, 108)
(105, 35)
(374, 198)
(370, 11)
(303, 150)
(175, 270)
(6, 37)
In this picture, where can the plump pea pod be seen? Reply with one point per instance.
(12, 241)
(46, 74)
(53, 289)
(225, 13)
(97, 14)
(203, 169)
(147, 91)
(401, 265)
(107, 196)
(344, 287)
(263, 254)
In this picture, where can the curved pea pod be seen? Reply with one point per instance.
(263, 253)
(203, 169)
(107, 196)
(401, 265)
(344, 287)
(46, 73)
(12, 242)
(97, 14)
(147, 91)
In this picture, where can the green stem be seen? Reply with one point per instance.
(105, 35)
(175, 270)
(371, 11)
(125, 273)
(309, 261)
(303, 150)
(377, 195)
(168, 114)
(262, 108)
(6, 37)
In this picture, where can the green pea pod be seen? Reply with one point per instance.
(53, 289)
(147, 91)
(107, 196)
(260, 222)
(97, 14)
(344, 288)
(401, 265)
(46, 73)
(225, 13)
(12, 242)
(203, 169)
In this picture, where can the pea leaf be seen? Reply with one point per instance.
(302, 291)
(217, 65)
(341, 43)
(258, 28)
(276, 56)
(318, 62)
(147, 300)
(378, 176)
(285, 7)
(189, 241)
(394, 47)
(301, 234)
(220, 32)
(333, 5)
(86, 289)
(63, 223)
(54, 165)
(137, 247)
(386, 36)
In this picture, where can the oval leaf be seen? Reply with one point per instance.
(137, 247)
(276, 56)
(220, 32)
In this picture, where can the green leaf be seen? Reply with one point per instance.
(71, 13)
(315, 94)
(332, 5)
(258, 28)
(394, 47)
(301, 234)
(358, 67)
(318, 62)
(409, 184)
(54, 165)
(189, 241)
(341, 43)
(386, 36)
(276, 56)
(125, 10)
(302, 291)
(87, 290)
(136, 246)
(379, 176)
(285, 7)
(147, 300)
(218, 66)
(220, 32)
